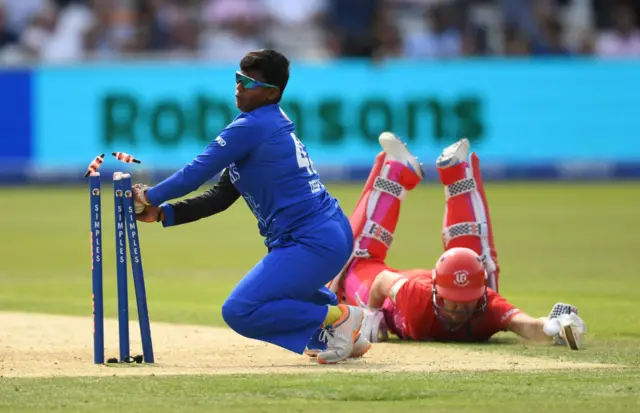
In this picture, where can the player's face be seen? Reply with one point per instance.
(457, 312)
(252, 91)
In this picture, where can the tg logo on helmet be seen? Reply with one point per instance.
(461, 278)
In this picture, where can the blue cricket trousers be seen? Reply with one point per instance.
(283, 299)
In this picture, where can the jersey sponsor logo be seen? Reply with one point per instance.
(509, 314)
(316, 186)
(461, 278)
(220, 141)
(234, 175)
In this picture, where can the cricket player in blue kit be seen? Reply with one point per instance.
(283, 299)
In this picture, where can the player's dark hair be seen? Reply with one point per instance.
(273, 66)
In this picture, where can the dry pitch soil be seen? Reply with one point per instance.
(40, 345)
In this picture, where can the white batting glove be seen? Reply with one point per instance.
(373, 328)
(565, 326)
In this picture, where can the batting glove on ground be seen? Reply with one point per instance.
(565, 326)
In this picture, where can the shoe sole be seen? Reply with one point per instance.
(362, 353)
(451, 152)
(314, 353)
(398, 151)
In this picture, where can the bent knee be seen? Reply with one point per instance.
(239, 316)
(233, 314)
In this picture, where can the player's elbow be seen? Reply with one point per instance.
(381, 288)
(376, 296)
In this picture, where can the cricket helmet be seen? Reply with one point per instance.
(460, 276)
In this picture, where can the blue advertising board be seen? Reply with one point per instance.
(575, 115)
(15, 117)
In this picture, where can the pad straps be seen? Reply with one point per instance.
(388, 186)
(460, 187)
(374, 230)
(463, 229)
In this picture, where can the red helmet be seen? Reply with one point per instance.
(460, 276)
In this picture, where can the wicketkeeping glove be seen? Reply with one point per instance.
(140, 198)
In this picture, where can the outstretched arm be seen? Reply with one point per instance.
(563, 325)
(528, 327)
(217, 199)
(233, 143)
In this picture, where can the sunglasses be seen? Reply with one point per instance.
(250, 83)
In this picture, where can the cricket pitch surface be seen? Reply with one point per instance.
(42, 345)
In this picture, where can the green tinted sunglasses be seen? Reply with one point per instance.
(250, 83)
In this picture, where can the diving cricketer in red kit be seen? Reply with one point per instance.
(456, 300)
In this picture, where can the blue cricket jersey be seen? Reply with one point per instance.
(270, 168)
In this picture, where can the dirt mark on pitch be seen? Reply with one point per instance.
(37, 345)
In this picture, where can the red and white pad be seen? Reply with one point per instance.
(466, 220)
(376, 214)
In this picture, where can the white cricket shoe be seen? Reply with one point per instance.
(396, 150)
(341, 335)
(453, 154)
(360, 347)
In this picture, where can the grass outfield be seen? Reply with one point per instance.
(446, 393)
(556, 242)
